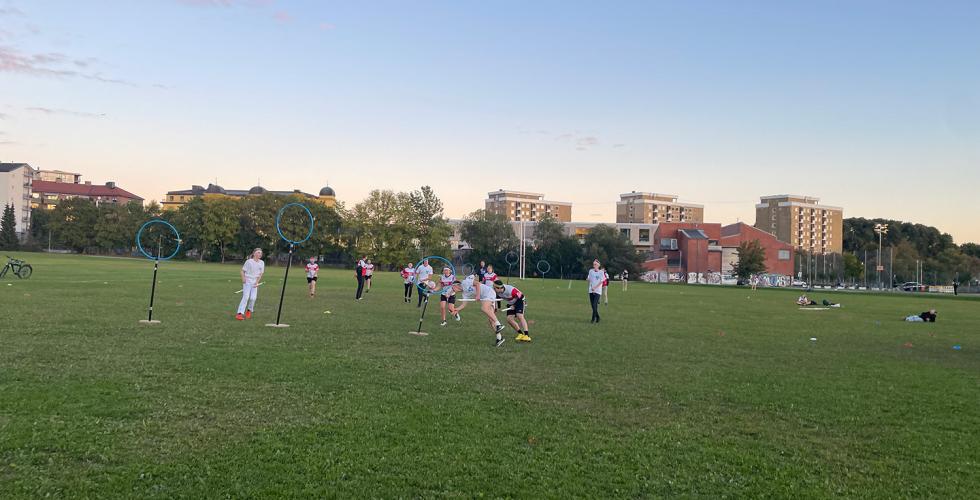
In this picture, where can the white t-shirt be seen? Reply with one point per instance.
(446, 282)
(487, 293)
(424, 271)
(311, 269)
(511, 294)
(469, 289)
(253, 269)
(596, 277)
(369, 269)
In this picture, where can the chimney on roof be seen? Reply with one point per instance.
(110, 185)
(88, 183)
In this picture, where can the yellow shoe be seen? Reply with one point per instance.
(523, 338)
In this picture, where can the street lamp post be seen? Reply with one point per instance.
(881, 229)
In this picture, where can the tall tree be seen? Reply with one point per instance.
(559, 250)
(75, 220)
(8, 229)
(751, 260)
(490, 237)
(853, 268)
(613, 249)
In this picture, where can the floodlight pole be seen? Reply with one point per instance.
(285, 278)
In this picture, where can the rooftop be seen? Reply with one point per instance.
(91, 190)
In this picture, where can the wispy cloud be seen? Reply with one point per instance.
(53, 64)
(225, 3)
(7, 10)
(325, 26)
(67, 112)
(282, 16)
(4, 116)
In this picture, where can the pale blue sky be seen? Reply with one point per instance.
(870, 105)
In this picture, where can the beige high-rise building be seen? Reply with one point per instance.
(654, 208)
(802, 222)
(518, 205)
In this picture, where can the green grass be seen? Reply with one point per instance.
(681, 391)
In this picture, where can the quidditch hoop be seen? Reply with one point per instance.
(308, 214)
(546, 265)
(139, 239)
(418, 284)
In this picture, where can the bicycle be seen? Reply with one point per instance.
(20, 268)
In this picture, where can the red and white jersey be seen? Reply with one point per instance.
(605, 278)
(511, 294)
(446, 281)
(311, 269)
(489, 278)
(369, 270)
(409, 275)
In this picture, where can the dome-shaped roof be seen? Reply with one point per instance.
(327, 191)
(214, 188)
(257, 190)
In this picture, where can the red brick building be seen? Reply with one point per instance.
(47, 194)
(685, 248)
(779, 254)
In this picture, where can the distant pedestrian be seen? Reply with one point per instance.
(595, 279)
(408, 275)
(626, 279)
(482, 271)
(312, 270)
(605, 285)
(368, 273)
(956, 287)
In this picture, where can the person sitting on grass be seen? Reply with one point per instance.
(805, 301)
(923, 317)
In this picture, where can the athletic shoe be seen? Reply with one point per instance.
(442, 324)
(498, 342)
(499, 329)
(248, 314)
(457, 317)
(239, 317)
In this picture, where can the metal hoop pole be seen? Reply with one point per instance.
(153, 288)
(285, 278)
(424, 306)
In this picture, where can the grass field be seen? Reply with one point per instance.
(681, 391)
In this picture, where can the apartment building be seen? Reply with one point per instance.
(15, 189)
(519, 206)
(656, 208)
(802, 222)
(58, 176)
(175, 199)
(47, 194)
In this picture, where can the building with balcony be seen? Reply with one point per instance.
(655, 208)
(802, 222)
(15, 189)
(519, 206)
(47, 194)
(58, 176)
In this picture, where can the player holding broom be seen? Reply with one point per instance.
(486, 297)
(251, 272)
(515, 309)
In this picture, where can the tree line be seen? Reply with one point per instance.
(392, 228)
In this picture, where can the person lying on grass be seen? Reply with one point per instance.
(923, 317)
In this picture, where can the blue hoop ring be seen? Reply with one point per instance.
(139, 243)
(426, 290)
(279, 217)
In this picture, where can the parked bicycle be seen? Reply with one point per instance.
(20, 268)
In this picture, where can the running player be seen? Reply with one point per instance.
(422, 273)
(368, 272)
(312, 269)
(447, 299)
(626, 279)
(487, 297)
(408, 275)
(251, 274)
(515, 310)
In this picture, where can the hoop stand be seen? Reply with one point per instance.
(282, 294)
(418, 331)
(153, 290)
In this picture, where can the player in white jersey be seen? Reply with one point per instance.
(489, 277)
(447, 298)
(484, 294)
(596, 278)
(368, 272)
(251, 273)
(422, 274)
(408, 275)
(312, 270)
(515, 309)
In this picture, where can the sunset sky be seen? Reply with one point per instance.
(870, 105)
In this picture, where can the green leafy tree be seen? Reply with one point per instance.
(75, 221)
(853, 267)
(490, 237)
(613, 249)
(8, 229)
(427, 220)
(751, 260)
(560, 250)
(383, 228)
